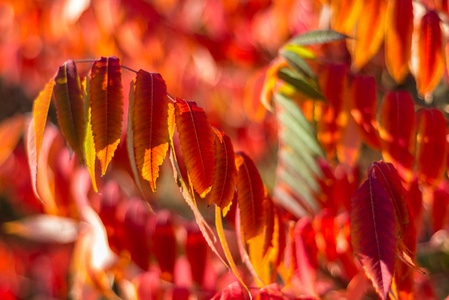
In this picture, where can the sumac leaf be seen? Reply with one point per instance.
(250, 194)
(225, 172)
(150, 124)
(373, 233)
(439, 212)
(397, 131)
(164, 245)
(364, 109)
(196, 252)
(197, 144)
(370, 32)
(430, 53)
(36, 130)
(388, 177)
(68, 96)
(345, 14)
(398, 38)
(431, 146)
(107, 107)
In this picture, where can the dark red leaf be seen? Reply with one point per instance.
(373, 233)
(431, 146)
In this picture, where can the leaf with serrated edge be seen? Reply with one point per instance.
(36, 130)
(107, 107)
(197, 144)
(373, 233)
(250, 194)
(68, 96)
(225, 173)
(150, 125)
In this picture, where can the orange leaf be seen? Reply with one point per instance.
(10, 133)
(150, 124)
(373, 233)
(398, 38)
(370, 32)
(345, 14)
(225, 246)
(36, 130)
(197, 144)
(107, 107)
(397, 131)
(430, 53)
(254, 109)
(68, 95)
(225, 173)
(250, 193)
(431, 146)
(364, 109)
(268, 232)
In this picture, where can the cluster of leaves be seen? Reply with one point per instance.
(301, 241)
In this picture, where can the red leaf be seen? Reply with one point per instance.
(196, 252)
(68, 95)
(225, 172)
(373, 233)
(197, 144)
(164, 245)
(136, 215)
(150, 125)
(431, 146)
(330, 124)
(233, 291)
(440, 206)
(250, 194)
(364, 109)
(107, 107)
(390, 180)
(398, 38)
(430, 53)
(397, 131)
(36, 130)
(306, 256)
(270, 292)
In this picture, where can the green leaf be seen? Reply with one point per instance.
(317, 37)
(298, 64)
(298, 170)
(299, 83)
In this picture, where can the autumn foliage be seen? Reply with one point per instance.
(265, 149)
